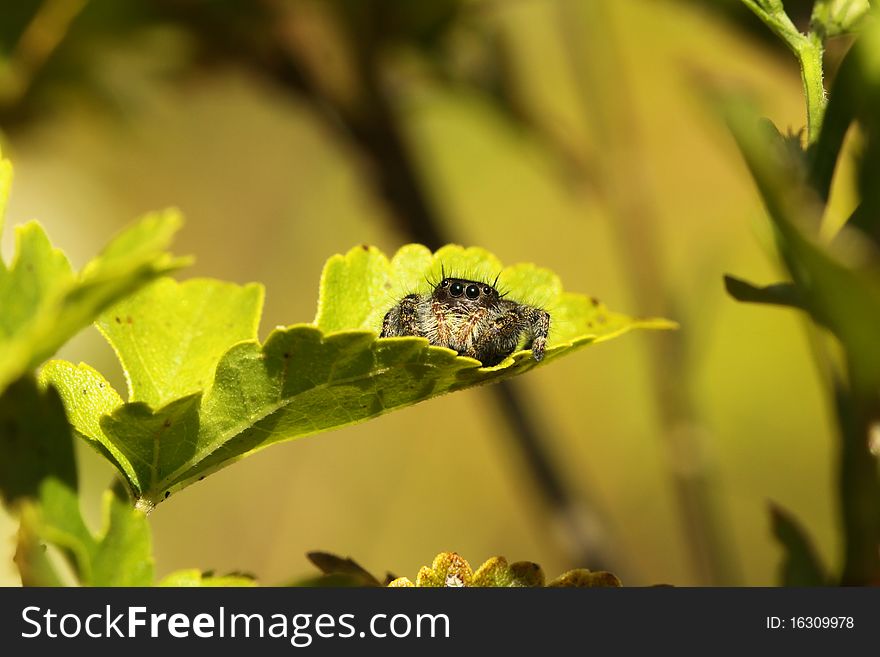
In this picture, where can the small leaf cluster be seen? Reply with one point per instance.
(451, 570)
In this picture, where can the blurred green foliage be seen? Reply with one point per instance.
(838, 292)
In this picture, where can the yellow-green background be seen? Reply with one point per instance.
(269, 193)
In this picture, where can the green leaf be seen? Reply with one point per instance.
(357, 289)
(344, 567)
(447, 570)
(839, 115)
(120, 556)
(204, 318)
(452, 570)
(195, 577)
(801, 565)
(839, 297)
(31, 557)
(38, 480)
(836, 17)
(45, 302)
(497, 572)
(35, 441)
(192, 410)
(123, 554)
(778, 294)
(854, 96)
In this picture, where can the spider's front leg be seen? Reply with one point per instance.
(402, 319)
(500, 338)
(538, 325)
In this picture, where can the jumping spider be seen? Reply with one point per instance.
(471, 318)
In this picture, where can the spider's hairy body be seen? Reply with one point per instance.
(471, 318)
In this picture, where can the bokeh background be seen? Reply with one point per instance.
(569, 133)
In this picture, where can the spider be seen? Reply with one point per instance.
(471, 318)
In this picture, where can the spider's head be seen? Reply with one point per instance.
(462, 291)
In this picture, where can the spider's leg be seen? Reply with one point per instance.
(501, 338)
(538, 325)
(498, 340)
(402, 319)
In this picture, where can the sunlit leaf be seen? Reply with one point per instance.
(452, 570)
(204, 318)
(193, 408)
(498, 573)
(44, 302)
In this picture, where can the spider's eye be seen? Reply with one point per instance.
(456, 289)
(488, 291)
(472, 291)
(444, 282)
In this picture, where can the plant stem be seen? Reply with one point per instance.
(809, 54)
(808, 48)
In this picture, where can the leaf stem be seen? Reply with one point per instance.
(809, 55)
(808, 48)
